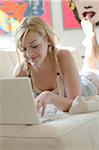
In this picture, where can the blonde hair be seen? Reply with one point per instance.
(35, 24)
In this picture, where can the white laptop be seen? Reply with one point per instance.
(16, 102)
(17, 105)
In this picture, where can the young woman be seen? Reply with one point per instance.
(53, 72)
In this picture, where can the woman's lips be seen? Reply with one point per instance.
(33, 58)
(90, 13)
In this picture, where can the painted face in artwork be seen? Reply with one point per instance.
(88, 7)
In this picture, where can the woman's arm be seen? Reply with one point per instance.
(71, 82)
(20, 70)
(70, 76)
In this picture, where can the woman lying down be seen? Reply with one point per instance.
(53, 73)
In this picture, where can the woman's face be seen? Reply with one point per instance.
(88, 7)
(34, 48)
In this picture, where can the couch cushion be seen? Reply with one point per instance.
(74, 132)
(7, 63)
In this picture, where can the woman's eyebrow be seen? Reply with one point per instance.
(32, 41)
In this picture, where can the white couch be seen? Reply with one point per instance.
(75, 132)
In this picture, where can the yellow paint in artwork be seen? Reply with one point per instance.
(72, 5)
(9, 24)
(14, 24)
(3, 17)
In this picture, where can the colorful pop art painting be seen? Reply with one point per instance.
(12, 12)
(74, 10)
(69, 19)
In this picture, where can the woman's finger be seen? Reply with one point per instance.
(41, 107)
(43, 110)
(38, 105)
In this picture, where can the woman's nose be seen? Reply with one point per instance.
(29, 53)
(26, 55)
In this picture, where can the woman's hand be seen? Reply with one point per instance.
(46, 97)
(20, 70)
(42, 100)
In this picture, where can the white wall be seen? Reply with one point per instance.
(7, 43)
(68, 37)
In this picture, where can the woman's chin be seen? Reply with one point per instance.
(34, 64)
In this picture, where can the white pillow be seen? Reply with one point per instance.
(83, 104)
(7, 63)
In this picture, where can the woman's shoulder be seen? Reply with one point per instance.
(63, 53)
(65, 59)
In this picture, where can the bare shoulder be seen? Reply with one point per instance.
(64, 55)
(66, 60)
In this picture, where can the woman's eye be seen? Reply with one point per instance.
(22, 49)
(34, 46)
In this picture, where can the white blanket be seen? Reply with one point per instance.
(83, 104)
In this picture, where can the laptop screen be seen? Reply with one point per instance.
(17, 104)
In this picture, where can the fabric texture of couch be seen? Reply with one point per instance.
(74, 132)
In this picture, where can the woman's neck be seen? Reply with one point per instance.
(47, 64)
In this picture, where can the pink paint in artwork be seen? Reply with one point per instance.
(69, 19)
(47, 13)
